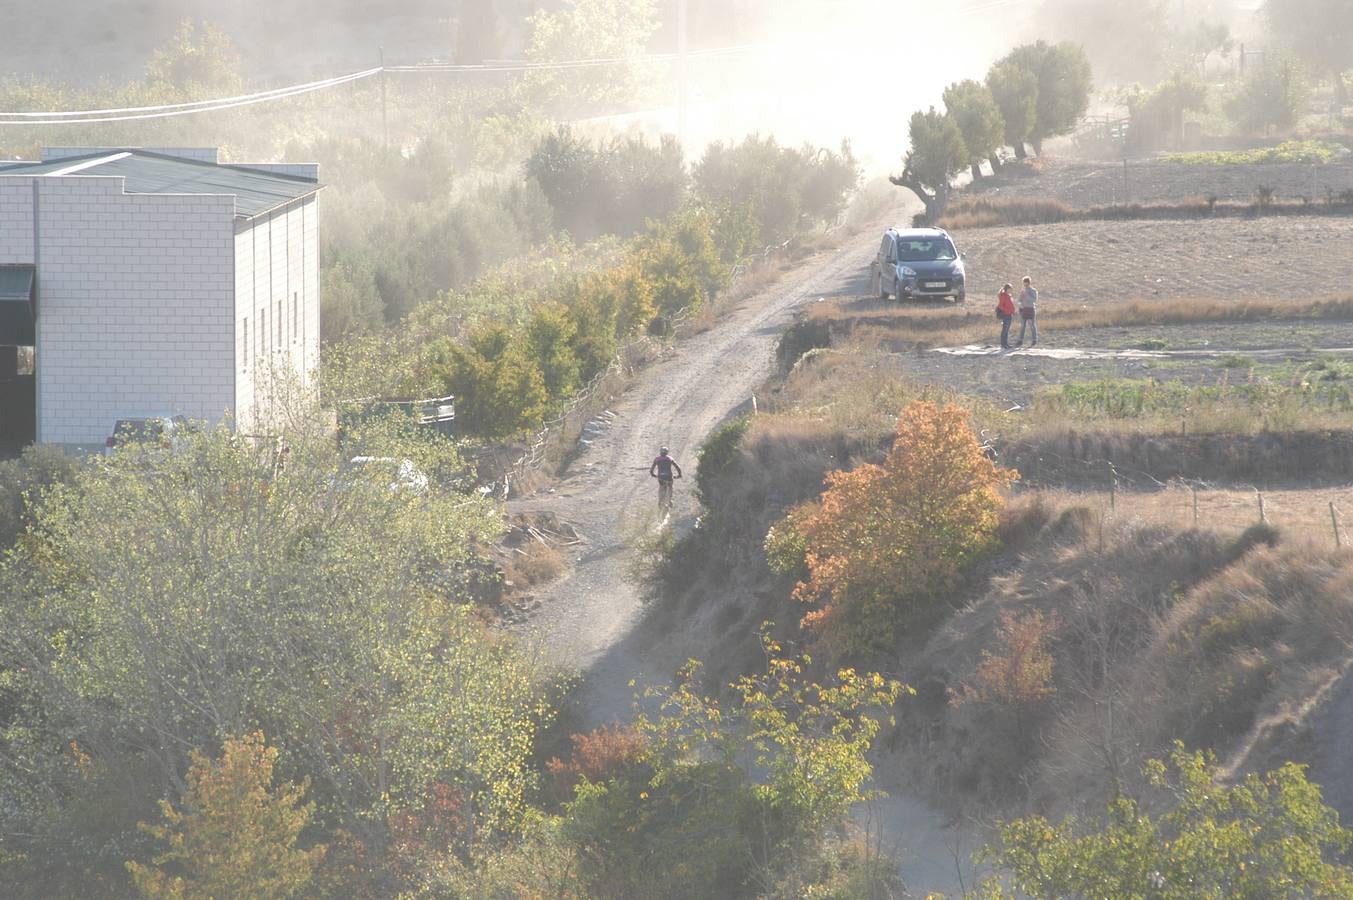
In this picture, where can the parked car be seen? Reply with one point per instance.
(403, 474)
(162, 431)
(919, 262)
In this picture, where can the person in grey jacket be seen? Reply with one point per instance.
(1028, 310)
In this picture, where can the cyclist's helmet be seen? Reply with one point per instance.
(662, 451)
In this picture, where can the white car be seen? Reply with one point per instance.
(404, 473)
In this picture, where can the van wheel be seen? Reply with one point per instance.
(883, 294)
(960, 297)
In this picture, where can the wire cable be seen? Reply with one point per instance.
(258, 95)
(282, 94)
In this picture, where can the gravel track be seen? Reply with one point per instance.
(588, 619)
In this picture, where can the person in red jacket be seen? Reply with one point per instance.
(1005, 311)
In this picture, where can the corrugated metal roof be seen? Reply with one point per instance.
(255, 191)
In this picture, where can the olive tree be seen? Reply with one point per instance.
(1015, 91)
(937, 154)
(974, 110)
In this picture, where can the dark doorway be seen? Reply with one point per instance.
(18, 400)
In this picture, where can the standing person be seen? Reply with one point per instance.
(1005, 311)
(662, 470)
(1028, 303)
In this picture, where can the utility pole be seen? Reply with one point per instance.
(385, 124)
(683, 74)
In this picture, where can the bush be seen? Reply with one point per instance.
(22, 480)
(777, 188)
(610, 188)
(1269, 836)
(1272, 96)
(500, 391)
(717, 454)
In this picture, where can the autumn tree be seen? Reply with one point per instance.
(936, 155)
(1018, 674)
(886, 541)
(236, 833)
(979, 120)
(1270, 835)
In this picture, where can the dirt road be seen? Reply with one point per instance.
(588, 619)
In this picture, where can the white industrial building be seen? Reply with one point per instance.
(152, 282)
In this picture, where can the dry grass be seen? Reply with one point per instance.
(992, 212)
(1303, 513)
(925, 327)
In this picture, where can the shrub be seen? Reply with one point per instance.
(723, 799)
(780, 189)
(22, 480)
(717, 454)
(236, 834)
(1272, 96)
(499, 389)
(610, 188)
(887, 540)
(1269, 836)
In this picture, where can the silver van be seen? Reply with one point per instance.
(919, 262)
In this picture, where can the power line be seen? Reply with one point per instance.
(138, 113)
(205, 106)
(313, 85)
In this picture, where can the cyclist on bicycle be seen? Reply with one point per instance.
(662, 468)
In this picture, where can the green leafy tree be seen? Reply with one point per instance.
(937, 154)
(196, 63)
(166, 599)
(549, 339)
(1268, 836)
(1015, 90)
(1320, 32)
(499, 389)
(979, 120)
(1271, 96)
(1158, 116)
(680, 263)
(590, 29)
(236, 835)
(1064, 83)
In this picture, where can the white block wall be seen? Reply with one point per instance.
(135, 305)
(16, 220)
(276, 311)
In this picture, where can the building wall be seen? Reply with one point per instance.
(276, 311)
(16, 220)
(135, 304)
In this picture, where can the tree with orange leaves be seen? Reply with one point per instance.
(885, 540)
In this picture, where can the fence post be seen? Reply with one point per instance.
(1194, 491)
(1113, 489)
(1334, 522)
(754, 404)
(1263, 515)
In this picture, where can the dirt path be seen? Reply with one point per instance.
(588, 619)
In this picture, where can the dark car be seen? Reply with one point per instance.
(919, 262)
